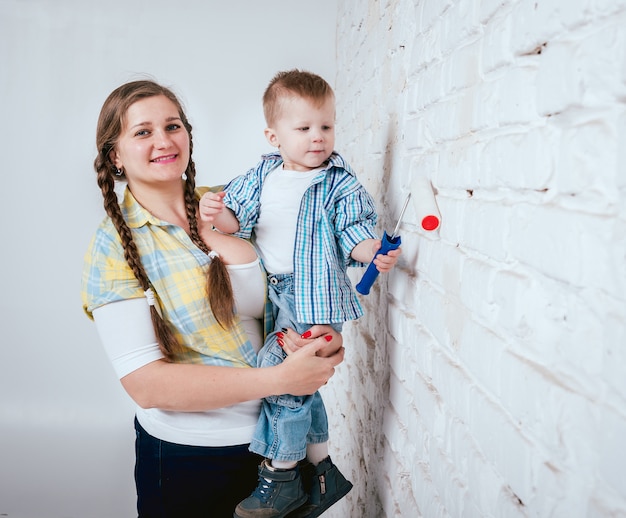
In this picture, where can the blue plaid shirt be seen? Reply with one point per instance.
(336, 213)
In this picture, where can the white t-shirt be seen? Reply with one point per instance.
(275, 229)
(126, 331)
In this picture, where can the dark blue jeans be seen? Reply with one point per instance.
(175, 481)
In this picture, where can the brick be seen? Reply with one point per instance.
(575, 72)
(568, 245)
(588, 158)
(496, 45)
(517, 160)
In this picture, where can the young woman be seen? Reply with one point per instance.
(179, 309)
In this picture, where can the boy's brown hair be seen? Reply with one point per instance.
(290, 83)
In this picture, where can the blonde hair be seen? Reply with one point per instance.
(110, 126)
(292, 83)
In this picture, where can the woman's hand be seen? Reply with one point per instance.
(291, 341)
(304, 370)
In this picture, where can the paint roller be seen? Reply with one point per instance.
(427, 215)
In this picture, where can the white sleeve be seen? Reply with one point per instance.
(126, 331)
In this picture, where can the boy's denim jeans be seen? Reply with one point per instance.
(287, 423)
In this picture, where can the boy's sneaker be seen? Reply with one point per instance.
(278, 493)
(325, 485)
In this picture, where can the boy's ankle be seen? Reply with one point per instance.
(281, 465)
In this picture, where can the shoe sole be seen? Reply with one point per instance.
(297, 505)
(314, 513)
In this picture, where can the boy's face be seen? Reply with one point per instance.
(304, 133)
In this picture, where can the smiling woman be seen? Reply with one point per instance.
(152, 152)
(160, 285)
(154, 144)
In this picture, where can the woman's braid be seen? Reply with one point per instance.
(218, 286)
(167, 342)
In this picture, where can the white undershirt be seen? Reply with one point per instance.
(126, 331)
(275, 230)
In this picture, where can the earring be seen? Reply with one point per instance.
(119, 172)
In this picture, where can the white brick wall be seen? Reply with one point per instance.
(488, 377)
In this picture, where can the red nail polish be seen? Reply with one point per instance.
(328, 338)
(280, 342)
(280, 335)
(307, 334)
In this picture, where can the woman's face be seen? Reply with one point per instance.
(154, 144)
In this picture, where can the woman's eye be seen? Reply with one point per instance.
(141, 133)
(173, 127)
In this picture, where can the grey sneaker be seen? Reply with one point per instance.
(325, 486)
(278, 493)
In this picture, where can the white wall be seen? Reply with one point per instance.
(488, 378)
(66, 438)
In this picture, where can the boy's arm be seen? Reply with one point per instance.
(365, 250)
(213, 210)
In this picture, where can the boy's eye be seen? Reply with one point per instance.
(305, 128)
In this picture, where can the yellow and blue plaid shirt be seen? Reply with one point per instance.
(336, 214)
(177, 269)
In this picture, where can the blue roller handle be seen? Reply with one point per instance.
(387, 244)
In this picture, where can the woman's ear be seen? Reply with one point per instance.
(271, 137)
(114, 158)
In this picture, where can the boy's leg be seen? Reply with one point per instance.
(280, 435)
(323, 482)
(324, 485)
(283, 427)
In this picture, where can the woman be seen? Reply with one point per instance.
(178, 308)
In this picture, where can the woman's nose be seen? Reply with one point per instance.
(162, 139)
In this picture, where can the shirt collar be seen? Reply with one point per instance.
(136, 216)
(335, 160)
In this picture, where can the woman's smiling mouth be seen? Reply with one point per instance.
(164, 159)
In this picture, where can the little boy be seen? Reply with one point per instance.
(310, 219)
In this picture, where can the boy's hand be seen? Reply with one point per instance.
(365, 250)
(211, 205)
(385, 263)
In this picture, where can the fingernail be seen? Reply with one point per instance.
(328, 338)
(307, 334)
(280, 335)
(284, 330)
(280, 342)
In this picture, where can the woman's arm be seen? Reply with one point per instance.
(191, 388)
(126, 331)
